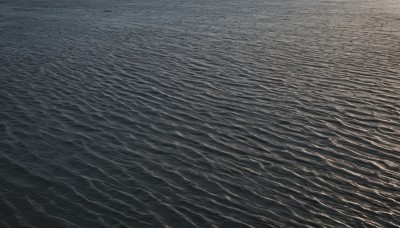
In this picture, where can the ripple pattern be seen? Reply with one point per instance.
(260, 113)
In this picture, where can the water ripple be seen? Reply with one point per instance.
(199, 114)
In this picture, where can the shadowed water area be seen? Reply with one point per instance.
(256, 113)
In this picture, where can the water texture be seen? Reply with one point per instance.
(256, 113)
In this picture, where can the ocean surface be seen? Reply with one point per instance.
(228, 113)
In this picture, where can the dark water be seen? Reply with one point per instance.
(200, 113)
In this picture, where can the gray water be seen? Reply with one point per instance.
(257, 113)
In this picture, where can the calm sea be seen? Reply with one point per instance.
(199, 113)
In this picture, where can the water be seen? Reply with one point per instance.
(199, 113)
